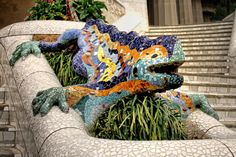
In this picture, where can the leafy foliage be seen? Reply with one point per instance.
(85, 9)
(223, 8)
(48, 11)
(61, 63)
(89, 9)
(140, 118)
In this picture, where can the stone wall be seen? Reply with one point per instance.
(114, 11)
(12, 11)
(139, 7)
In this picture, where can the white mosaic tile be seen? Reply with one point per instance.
(44, 27)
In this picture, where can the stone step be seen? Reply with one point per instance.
(215, 39)
(218, 99)
(211, 48)
(225, 108)
(234, 129)
(199, 68)
(191, 29)
(209, 77)
(225, 112)
(3, 106)
(2, 95)
(189, 33)
(229, 122)
(194, 44)
(201, 62)
(205, 25)
(7, 135)
(7, 117)
(208, 87)
(207, 57)
(191, 37)
(206, 52)
(6, 151)
(204, 73)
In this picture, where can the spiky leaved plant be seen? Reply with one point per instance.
(140, 118)
(61, 63)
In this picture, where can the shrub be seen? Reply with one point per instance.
(61, 63)
(89, 9)
(140, 118)
(48, 11)
(56, 10)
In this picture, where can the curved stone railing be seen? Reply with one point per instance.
(59, 134)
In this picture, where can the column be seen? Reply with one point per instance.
(185, 12)
(167, 12)
(171, 17)
(197, 11)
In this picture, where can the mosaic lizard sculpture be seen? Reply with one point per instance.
(116, 64)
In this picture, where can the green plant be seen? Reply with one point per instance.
(48, 11)
(89, 9)
(61, 63)
(140, 118)
(223, 8)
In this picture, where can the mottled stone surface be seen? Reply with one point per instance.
(11, 42)
(88, 146)
(49, 27)
(230, 144)
(59, 134)
(5, 31)
(201, 126)
(21, 76)
(114, 11)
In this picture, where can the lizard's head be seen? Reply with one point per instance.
(159, 64)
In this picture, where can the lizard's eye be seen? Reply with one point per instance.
(135, 72)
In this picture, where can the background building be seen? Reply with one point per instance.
(181, 12)
(159, 12)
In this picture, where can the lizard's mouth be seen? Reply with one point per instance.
(165, 68)
(167, 74)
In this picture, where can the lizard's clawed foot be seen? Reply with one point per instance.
(24, 49)
(44, 100)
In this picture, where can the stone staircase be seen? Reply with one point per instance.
(9, 132)
(206, 68)
(8, 129)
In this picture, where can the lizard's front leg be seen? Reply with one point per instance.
(91, 103)
(44, 100)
